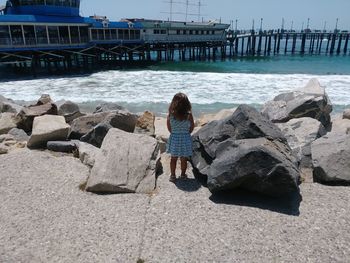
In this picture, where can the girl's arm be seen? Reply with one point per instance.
(168, 123)
(192, 122)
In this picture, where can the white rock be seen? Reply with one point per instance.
(48, 128)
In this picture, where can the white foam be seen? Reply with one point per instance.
(160, 86)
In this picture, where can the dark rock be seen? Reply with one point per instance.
(311, 101)
(331, 159)
(244, 150)
(97, 134)
(61, 146)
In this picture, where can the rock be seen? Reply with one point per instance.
(7, 122)
(97, 134)
(6, 137)
(212, 117)
(145, 124)
(123, 120)
(108, 106)
(84, 124)
(300, 133)
(87, 153)
(27, 115)
(61, 146)
(340, 125)
(48, 128)
(19, 135)
(44, 99)
(244, 150)
(7, 105)
(311, 101)
(69, 110)
(346, 114)
(258, 165)
(331, 159)
(3, 149)
(127, 163)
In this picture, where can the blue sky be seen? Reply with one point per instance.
(272, 11)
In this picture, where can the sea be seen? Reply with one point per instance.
(211, 85)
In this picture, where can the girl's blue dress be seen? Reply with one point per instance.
(180, 141)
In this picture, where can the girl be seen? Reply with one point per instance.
(180, 125)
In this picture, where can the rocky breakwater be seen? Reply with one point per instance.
(319, 141)
(118, 146)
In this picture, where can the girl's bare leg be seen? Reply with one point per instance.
(183, 166)
(173, 165)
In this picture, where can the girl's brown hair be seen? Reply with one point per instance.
(180, 106)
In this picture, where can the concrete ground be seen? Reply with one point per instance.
(45, 217)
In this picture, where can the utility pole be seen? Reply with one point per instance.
(336, 25)
(291, 26)
(236, 25)
(308, 23)
(324, 26)
(261, 22)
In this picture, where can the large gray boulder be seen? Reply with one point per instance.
(7, 105)
(311, 101)
(7, 122)
(300, 133)
(127, 163)
(120, 119)
(69, 110)
(331, 159)
(48, 128)
(244, 150)
(27, 114)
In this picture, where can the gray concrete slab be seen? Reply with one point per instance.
(44, 217)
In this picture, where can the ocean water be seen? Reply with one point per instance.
(211, 86)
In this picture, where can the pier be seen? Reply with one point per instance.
(106, 56)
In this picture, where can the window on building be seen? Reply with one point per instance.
(64, 35)
(156, 31)
(191, 32)
(120, 33)
(108, 34)
(208, 32)
(16, 33)
(53, 34)
(29, 35)
(197, 32)
(213, 32)
(132, 34)
(178, 32)
(185, 32)
(94, 34)
(84, 34)
(114, 34)
(137, 34)
(4, 35)
(100, 35)
(41, 35)
(74, 34)
(163, 32)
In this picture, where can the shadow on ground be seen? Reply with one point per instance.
(188, 185)
(288, 204)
